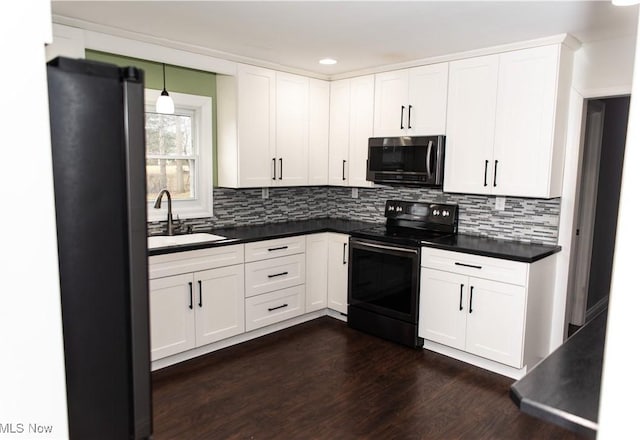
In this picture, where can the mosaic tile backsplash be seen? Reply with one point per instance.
(530, 220)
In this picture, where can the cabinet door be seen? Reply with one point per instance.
(316, 276)
(470, 125)
(443, 307)
(318, 132)
(525, 117)
(219, 303)
(391, 103)
(360, 129)
(171, 315)
(495, 321)
(339, 109)
(256, 126)
(338, 272)
(292, 129)
(427, 114)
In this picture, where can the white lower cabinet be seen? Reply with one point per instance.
(194, 309)
(482, 317)
(487, 307)
(272, 307)
(317, 257)
(275, 285)
(338, 272)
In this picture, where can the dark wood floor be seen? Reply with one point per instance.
(323, 380)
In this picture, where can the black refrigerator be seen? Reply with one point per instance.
(98, 152)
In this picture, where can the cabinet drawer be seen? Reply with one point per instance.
(279, 247)
(496, 269)
(274, 274)
(273, 307)
(192, 261)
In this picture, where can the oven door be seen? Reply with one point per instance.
(384, 278)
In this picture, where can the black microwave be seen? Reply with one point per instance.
(408, 160)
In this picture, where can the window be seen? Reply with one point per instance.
(179, 150)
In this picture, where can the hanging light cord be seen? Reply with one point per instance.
(164, 82)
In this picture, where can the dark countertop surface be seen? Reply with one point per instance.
(565, 387)
(510, 250)
(491, 247)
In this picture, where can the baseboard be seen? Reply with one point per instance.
(478, 361)
(199, 351)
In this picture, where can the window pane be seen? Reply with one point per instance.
(169, 134)
(176, 175)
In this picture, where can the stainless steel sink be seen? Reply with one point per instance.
(159, 241)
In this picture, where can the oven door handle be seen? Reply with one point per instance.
(390, 248)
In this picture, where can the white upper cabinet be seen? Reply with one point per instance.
(506, 123)
(526, 117)
(411, 102)
(292, 129)
(340, 105)
(350, 127)
(318, 132)
(246, 114)
(267, 122)
(473, 84)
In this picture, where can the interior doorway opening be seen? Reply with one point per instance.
(604, 138)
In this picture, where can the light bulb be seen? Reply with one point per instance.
(164, 104)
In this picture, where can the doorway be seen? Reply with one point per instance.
(605, 130)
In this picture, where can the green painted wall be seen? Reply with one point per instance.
(179, 79)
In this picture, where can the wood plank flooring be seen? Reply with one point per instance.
(323, 380)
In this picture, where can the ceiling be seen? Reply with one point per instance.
(359, 34)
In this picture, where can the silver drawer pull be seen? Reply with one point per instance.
(271, 309)
(278, 248)
(468, 265)
(278, 274)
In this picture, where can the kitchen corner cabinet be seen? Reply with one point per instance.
(292, 130)
(318, 132)
(506, 123)
(317, 257)
(411, 102)
(188, 309)
(488, 307)
(338, 272)
(267, 123)
(350, 127)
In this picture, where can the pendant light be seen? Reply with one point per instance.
(164, 104)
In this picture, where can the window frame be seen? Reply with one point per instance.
(200, 108)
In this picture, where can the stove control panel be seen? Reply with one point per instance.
(428, 213)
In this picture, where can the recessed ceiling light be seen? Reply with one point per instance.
(327, 61)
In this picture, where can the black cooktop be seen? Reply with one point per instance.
(405, 236)
(411, 223)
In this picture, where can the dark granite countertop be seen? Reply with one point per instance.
(565, 387)
(247, 234)
(491, 247)
(510, 250)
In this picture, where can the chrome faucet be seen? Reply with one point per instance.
(158, 204)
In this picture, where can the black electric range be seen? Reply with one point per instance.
(384, 268)
(411, 223)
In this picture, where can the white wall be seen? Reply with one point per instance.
(32, 382)
(620, 379)
(603, 68)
